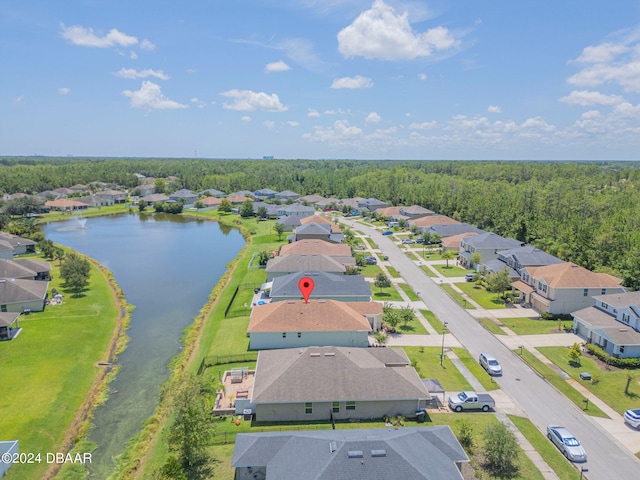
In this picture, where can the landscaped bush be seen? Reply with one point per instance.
(611, 360)
(555, 316)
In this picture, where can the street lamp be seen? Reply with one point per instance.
(444, 330)
(583, 470)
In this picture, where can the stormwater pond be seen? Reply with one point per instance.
(167, 266)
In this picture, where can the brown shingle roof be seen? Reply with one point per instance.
(317, 315)
(454, 240)
(316, 247)
(430, 220)
(570, 275)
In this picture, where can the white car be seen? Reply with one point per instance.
(490, 364)
(632, 417)
(567, 443)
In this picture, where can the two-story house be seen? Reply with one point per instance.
(487, 244)
(516, 259)
(613, 323)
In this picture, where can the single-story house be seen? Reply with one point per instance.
(286, 264)
(79, 187)
(212, 192)
(25, 269)
(65, 205)
(415, 211)
(155, 197)
(316, 231)
(22, 295)
(339, 251)
(114, 195)
(96, 201)
(237, 199)
(265, 193)
(564, 287)
(6, 250)
(371, 204)
(146, 189)
(64, 192)
(311, 199)
(9, 327)
(41, 268)
(423, 223)
(185, 196)
(409, 453)
(391, 212)
(210, 202)
(317, 383)
(296, 210)
(20, 245)
(294, 324)
(272, 210)
(289, 223)
(287, 195)
(346, 288)
(613, 323)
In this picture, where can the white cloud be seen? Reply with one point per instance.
(494, 109)
(277, 67)
(85, 37)
(191, 71)
(133, 55)
(195, 100)
(246, 118)
(422, 76)
(293, 123)
(147, 45)
(150, 97)
(133, 73)
(339, 132)
(63, 90)
(19, 99)
(352, 82)
(423, 125)
(601, 53)
(380, 33)
(584, 98)
(373, 117)
(269, 124)
(337, 112)
(250, 100)
(313, 113)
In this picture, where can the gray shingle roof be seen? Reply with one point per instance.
(531, 256)
(326, 285)
(14, 291)
(409, 453)
(449, 230)
(492, 240)
(297, 263)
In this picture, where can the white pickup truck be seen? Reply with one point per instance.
(471, 401)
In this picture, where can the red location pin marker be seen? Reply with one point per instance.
(306, 287)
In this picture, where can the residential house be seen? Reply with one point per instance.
(6, 250)
(371, 204)
(154, 197)
(322, 220)
(424, 223)
(296, 210)
(445, 230)
(517, 258)
(272, 210)
(25, 269)
(63, 192)
(15, 196)
(264, 193)
(65, 205)
(114, 196)
(237, 199)
(286, 264)
(95, 201)
(415, 211)
(242, 193)
(47, 195)
(327, 203)
(212, 192)
(289, 223)
(316, 231)
(41, 268)
(563, 288)
(79, 188)
(210, 203)
(294, 324)
(453, 242)
(392, 213)
(185, 196)
(146, 189)
(339, 251)
(20, 245)
(487, 244)
(312, 199)
(409, 453)
(9, 329)
(287, 196)
(319, 383)
(613, 323)
(22, 295)
(346, 288)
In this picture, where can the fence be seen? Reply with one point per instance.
(213, 360)
(240, 311)
(221, 438)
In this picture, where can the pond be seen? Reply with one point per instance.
(167, 266)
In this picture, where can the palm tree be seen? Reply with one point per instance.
(448, 255)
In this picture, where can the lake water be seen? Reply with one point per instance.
(166, 265)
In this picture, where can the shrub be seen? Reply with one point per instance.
(611, 360)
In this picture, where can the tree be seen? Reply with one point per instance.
(191, 431)
(58, 254)
(630, 377)
(246, 209)
(75, 271)
(198, 205)
(465, 437)
(475, 259)
(263, 257)
(575, 352)
(381, 337)
(448, 255)
(142, 205)
(407, 315)
(47, 248)
(279, 228)
(382, 281)
(225, 205)
(498, 282)
(500, 451)
(262, 212)
(390, 315)
(159, 185)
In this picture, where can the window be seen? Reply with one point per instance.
(625, 318)
(3, 308)
(336, 407)
(308, 408)
(603, 291)
(585, 292)
(605, 306)
(350, 405)
(284, 334)
(299, 334)
(621, 349)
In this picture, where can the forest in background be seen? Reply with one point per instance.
(584, 212)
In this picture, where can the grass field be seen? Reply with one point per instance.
(480, 295)
(428, 271)
(457, 297)
(43, 385)
(531, 326)
(492, 326)
(386, 294)
(409, 291)
(413, 328)
(427, 363)
(393, 272)
(434, 321)
(474, 367)
(451, 271)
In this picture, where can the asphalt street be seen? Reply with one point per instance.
(544, 405)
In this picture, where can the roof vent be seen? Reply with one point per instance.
(623, 330)
(314, 354)
(378, 453)
(333, 446)
(329, 354)
(322, 301)
(355, 454)
(291, 302)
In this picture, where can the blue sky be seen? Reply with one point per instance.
(375, 79)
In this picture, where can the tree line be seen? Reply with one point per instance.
(585, 212)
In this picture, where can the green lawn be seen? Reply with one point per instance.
(474, 367)
(409, 291)
(609, 388)
(413, 328)
(371, 243)
(492, 326)
(389, 294)
(432, 319)
(451, 270)
(413, 256)
(428, 271)
(393, 272)
(427, 362)
(549, 453)
(532, 326)
(43, 386)
(457, 297)
(370, 271)
(480, 295)
(557, 381)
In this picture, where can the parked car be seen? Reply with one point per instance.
(420, 240)
(471, 401)
(371, 260)
(566, 443)
(632, 417)
(490, 364)
(469, 277)
(387, 232)
(408, 241)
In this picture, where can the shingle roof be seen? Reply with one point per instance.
(335, 374)
(409, 453)
(63, 203)
(388, 211)
(430, 220)
(314, 229)
(493, 240)
(35, 265)
(12, 269)
(315, 316)
(454, 240)
(316, 247)
(450, 229)
(570, 275)
(7, 318)
(155, 197)
(288, 193)
(210, 201)
(320, 219)
(326, 285)
(14, 240)
(617, 331)
(290, 220)
(13, 291)
(530, 255)
(416, 210)
(620, 299)
(297, 263)
(298, 207)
